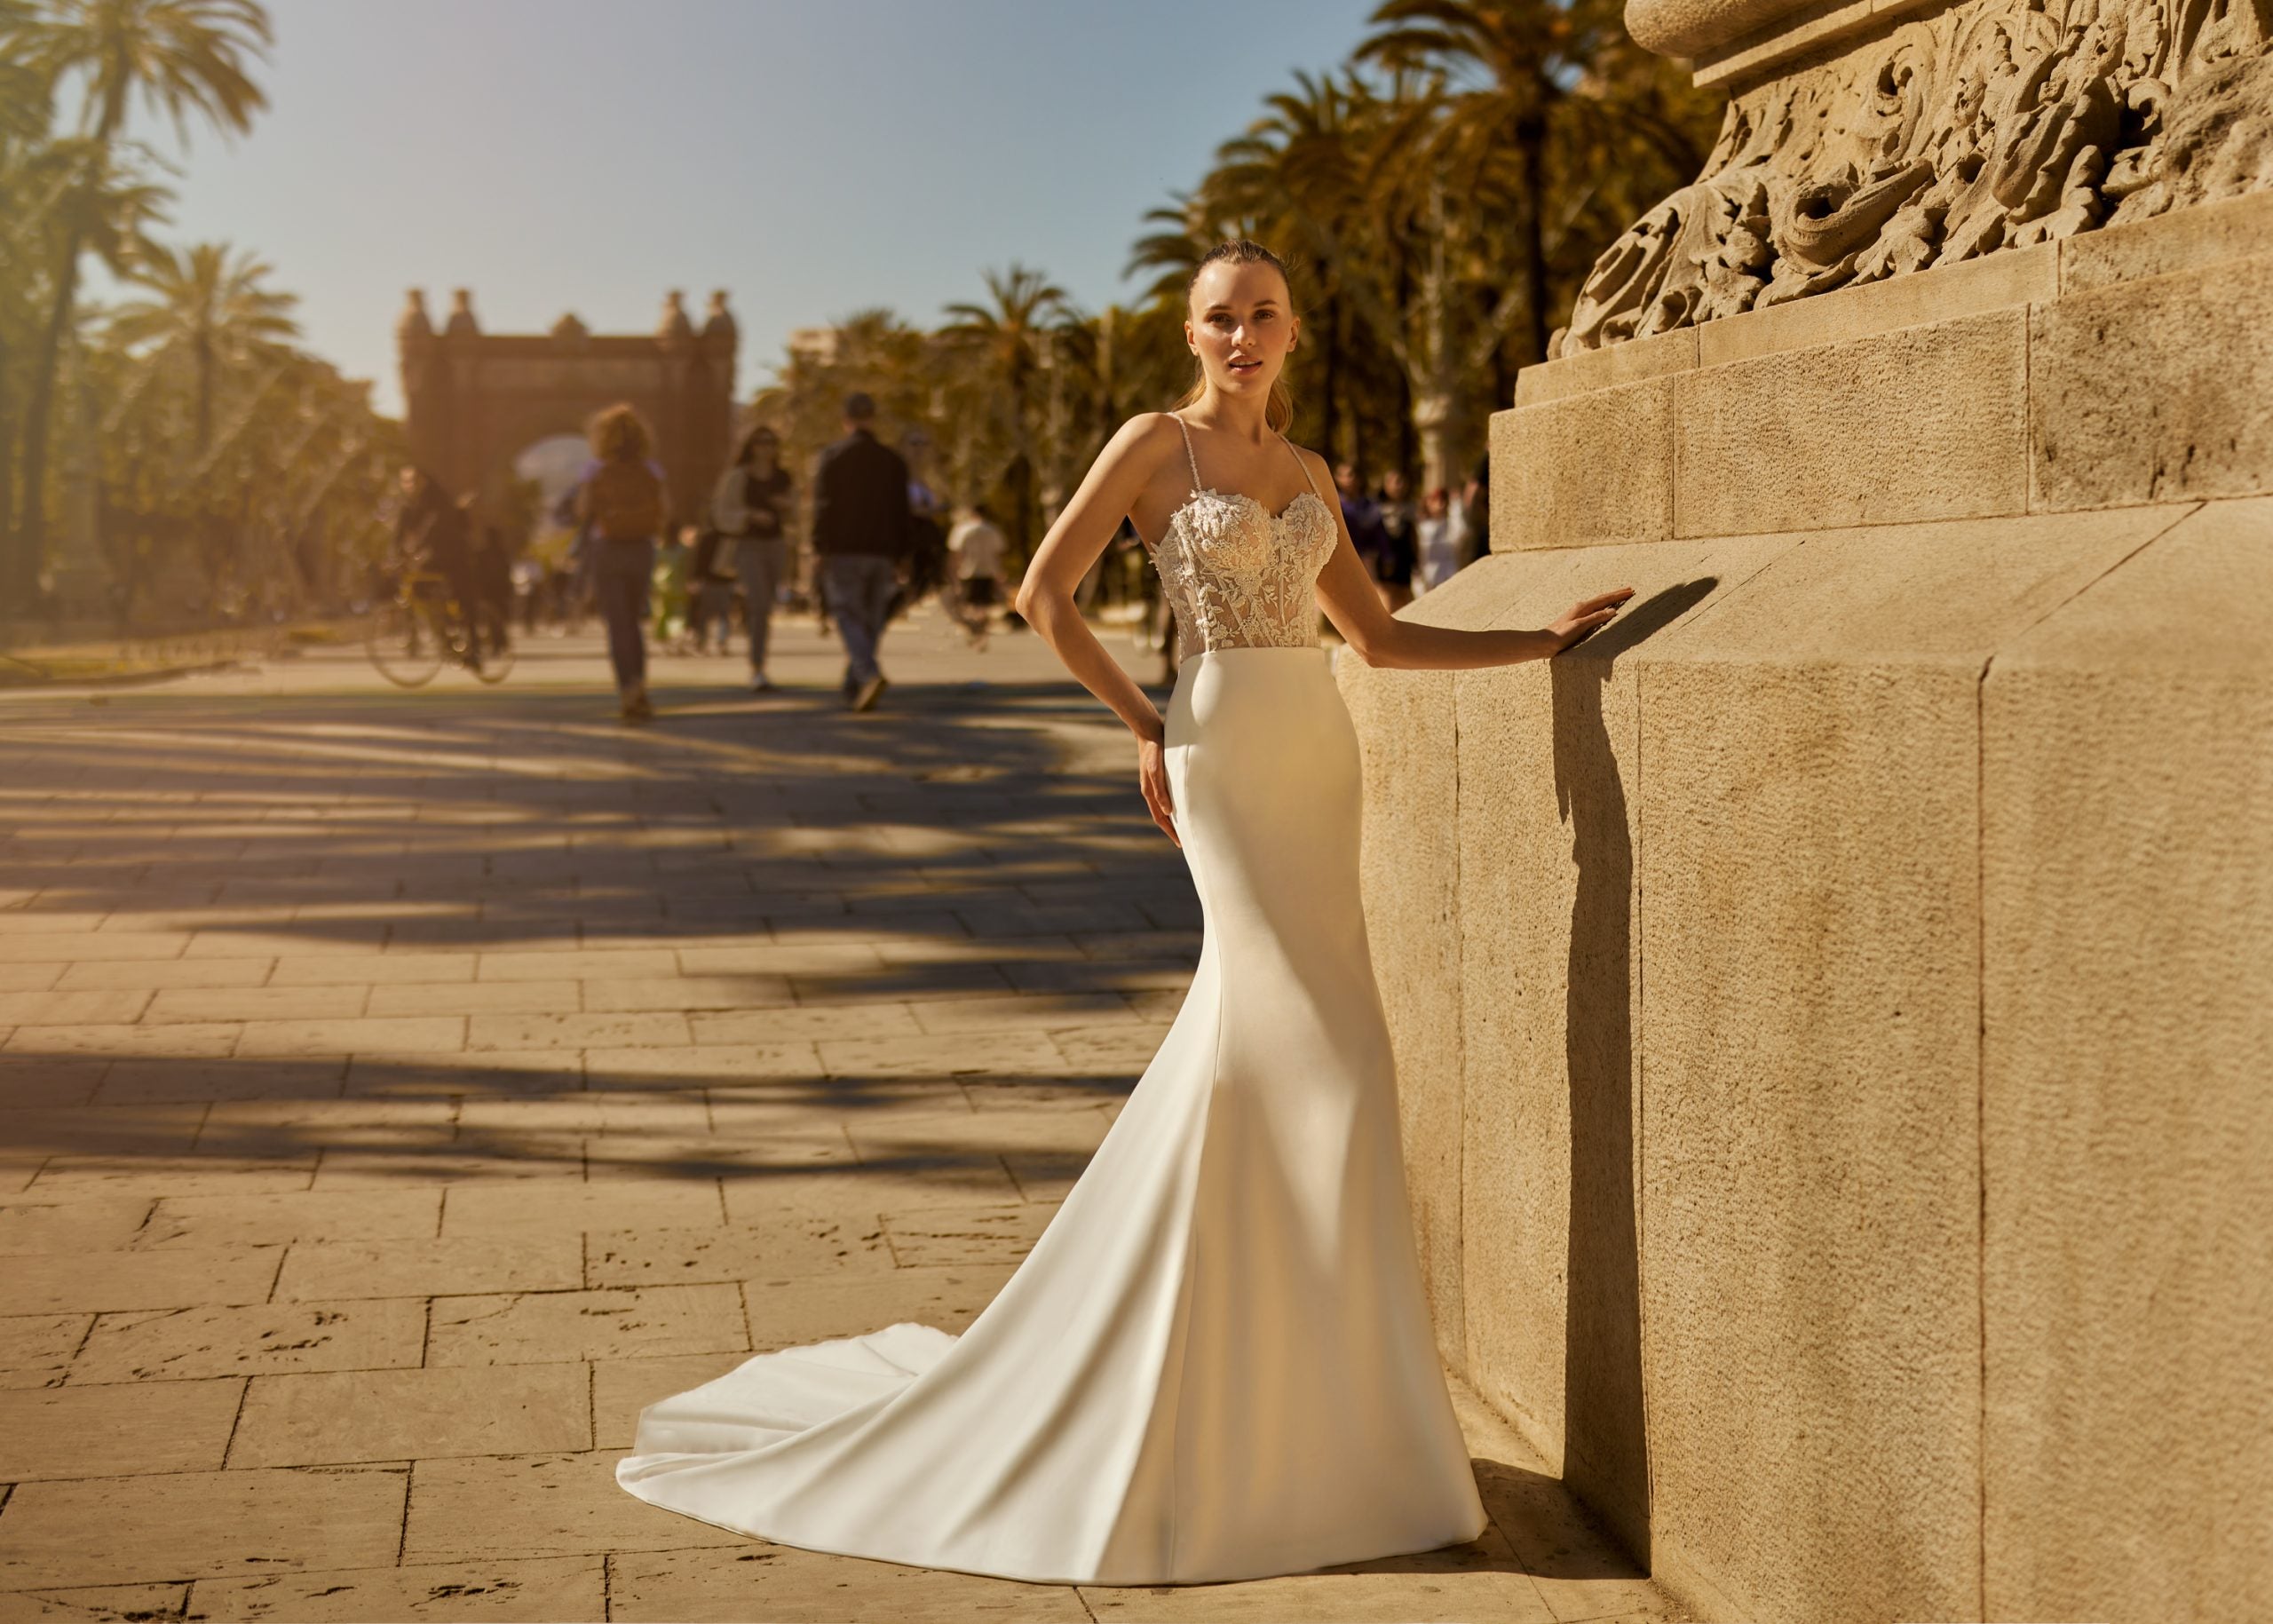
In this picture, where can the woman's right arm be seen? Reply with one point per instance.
(1045, 598)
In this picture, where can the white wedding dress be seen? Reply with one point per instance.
(1216, 1362)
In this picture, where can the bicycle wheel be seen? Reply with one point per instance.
(404, 648)
(497, 664)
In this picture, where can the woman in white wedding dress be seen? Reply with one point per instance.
(1216, 1362)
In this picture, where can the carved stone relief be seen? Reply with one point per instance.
(1995, 124)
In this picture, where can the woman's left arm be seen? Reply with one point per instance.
(1345, 592)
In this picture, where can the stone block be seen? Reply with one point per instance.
(1552, 487)
(571, 1209)
(95, 1604)
(2204, 234)
(251, 1339)
(1942, 293)
(272, 1219)
(115, 1431)
(1925, 422)
(786, 1313)
(1809, 929)
(822, 1243)
(104, 1224)
(2127, 867)
(35, 1349)
(173, 1526)
(485, 1507)
(174, 1278)
(2158, 390)
(429, 1266)
(339, 1416)
(526, 1592)
(1410, 868)
(1605, 368)
(1547, 962)
(781, 1581)
(622, 1322)
(994, 1234)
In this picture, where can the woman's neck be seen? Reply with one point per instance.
(1250, 420)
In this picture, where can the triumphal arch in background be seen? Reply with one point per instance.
(475, 401)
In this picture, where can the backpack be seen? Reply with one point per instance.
(625, 500)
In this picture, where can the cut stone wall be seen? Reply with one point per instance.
(1835, 1005)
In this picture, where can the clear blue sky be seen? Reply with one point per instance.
(812, 158)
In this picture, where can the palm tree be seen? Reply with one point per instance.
(180, 58)
(212, 311)
(1004, 342)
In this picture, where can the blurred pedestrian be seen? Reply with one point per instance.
(1400, 523)
(860, 534)
(926, 567)
(434, 536)
(1472, 514)
(1376, 548)
(1436, 542)
(712, 590)
(623, 502)
(674, 580)
(977, 546)
(750, 508)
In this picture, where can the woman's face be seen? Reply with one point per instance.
(1240, 327)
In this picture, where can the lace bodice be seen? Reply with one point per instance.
(1239, 575)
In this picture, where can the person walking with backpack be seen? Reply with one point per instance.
(624, 503)
(750, 510)
(862, 526)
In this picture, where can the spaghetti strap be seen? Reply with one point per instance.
(1308, 479)
(1190, 455)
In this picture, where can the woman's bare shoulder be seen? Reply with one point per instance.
(1314, 463)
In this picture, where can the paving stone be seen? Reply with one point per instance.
(426, 1266)
(565, 1031)
(31, 978)
(178, 1278)
(378, 1036)
(255, 1003)
(621, 1388)
(249, 1339)
(1024, 1013)
(769, 1027)
(36, 1348)
(473, 1209)
(193, 1175)
(71, 1009)
(610, 1157)
(474, 998)
(268, 1219)
(691, 1066)
(811, 1243)
(501, 1588)
(98, 1129)
(196, 1523)
(39, 947)
(95, 1604)
(1484, 1582)
(152, 1079)
(412, 1414)
(598, 1111)
(990, 1053)
(110, 1431)
(531, 1158)
(153, 974)
(789, 1312)
(32, 1082)
(471, 1074)
(375, 970)
(600, 964)
(781, 1581)
(186, 1040)
(531, 1327)
(282, 944)
(102, 1224)
(998, 1233)
(535, 1505)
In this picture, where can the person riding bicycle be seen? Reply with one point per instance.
(433, 535)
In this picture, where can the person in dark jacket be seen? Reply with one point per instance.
(860, 533)
(434, 533)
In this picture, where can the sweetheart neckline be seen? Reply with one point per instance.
(1199, 491)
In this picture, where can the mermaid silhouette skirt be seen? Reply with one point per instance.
(1216, 1362)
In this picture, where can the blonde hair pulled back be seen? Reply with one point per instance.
(1278, 411)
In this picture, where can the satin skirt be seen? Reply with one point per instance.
(1216, 1362)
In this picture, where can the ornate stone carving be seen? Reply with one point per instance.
(1992, 125)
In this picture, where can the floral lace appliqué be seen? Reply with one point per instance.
(1239, 576)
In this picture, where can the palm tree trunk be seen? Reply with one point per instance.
(1331, 431)
(1530, 144)
(21, 578)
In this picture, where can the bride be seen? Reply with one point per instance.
(1216, 1362)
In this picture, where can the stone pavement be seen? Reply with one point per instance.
(401, 1090)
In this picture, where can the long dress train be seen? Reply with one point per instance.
(1216, 1362)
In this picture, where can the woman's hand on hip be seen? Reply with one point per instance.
(1152, 778)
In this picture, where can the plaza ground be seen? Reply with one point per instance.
(402, 1089)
